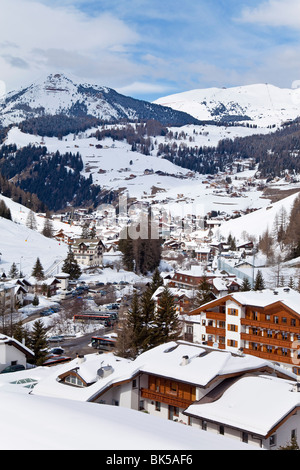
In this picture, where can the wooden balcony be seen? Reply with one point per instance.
(214, 330)
(271, 325)
(270, 356)
(169, 399)
(215, 316)
(280, 343)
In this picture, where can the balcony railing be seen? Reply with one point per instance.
(275, 357)
(270, 325)
(278, 342)
(165, 398)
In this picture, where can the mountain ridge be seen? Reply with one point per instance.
(259, 104)
(59, 95)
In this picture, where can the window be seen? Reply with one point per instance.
(232, 311)
(134, 383)
(221, 429)
(157, 406)
(204, 425)
(232, 343)
(272, 440)
(293, 322)
(276, 320)
(189, 329)
(284, 320)
(245, 437)
(294, 434)
(232, 327)
(74, 380)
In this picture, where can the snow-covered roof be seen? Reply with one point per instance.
(55, 424)
(267, 398)
(4, 339)
(204, 365)
(289, 297)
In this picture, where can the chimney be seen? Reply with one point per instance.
(184, 361)
(80, 359)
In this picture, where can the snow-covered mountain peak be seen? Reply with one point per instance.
(59, 94)
(263, 104)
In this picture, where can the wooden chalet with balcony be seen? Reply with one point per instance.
(264, 323)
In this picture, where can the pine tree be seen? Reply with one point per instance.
(259, 283)
(48, 229)
(134, 326)
(157, 280)
(147, 308)
(166, 325)
(204, 293)
(38, 271)
(21, 334)
(38, 342)
(292, 445)
(35, 301)
(13, 273)
(246, 285)
(71, 266)
(85, 230)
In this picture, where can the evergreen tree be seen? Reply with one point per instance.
(71, 266)
(13, 273)
(35, 301)
(246, 285)
(38, 271)
(93, 232)
(4, 210)
(157, 280)
(85, 232)
(48, 229)
(38, 342)
(134, 326)
(167, 325)
(291, 283)
(292, 445)
(20, 333)
(147, 309)
(259, 283)
(204, 293)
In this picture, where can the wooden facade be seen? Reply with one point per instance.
(169, 391)
(271, 332)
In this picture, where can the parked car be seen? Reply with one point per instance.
(12, 368)
(57, 351)
(54, 339)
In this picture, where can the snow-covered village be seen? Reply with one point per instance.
(149, 245)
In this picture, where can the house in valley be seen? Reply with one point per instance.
(260, 323)
(88, 252)
(189, 383)
(13, 353)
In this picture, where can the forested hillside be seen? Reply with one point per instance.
(54, 179)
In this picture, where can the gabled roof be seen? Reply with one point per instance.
(6, 340)
(255, 404)
(204, 366)
(267, 298)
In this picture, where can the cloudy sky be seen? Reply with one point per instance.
(151, 48)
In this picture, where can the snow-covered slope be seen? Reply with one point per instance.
(257, 222)
(117, 167)
(21, 245)
(58, 94)
(260, 104)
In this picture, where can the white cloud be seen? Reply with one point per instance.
(142, 88)
(274, 13)
(39, 39)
